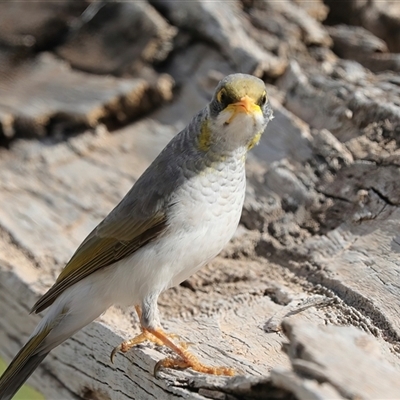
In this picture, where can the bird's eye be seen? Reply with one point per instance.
(222, 97)
(263, 99)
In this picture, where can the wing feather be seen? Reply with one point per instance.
(107, 244)
(140, 217)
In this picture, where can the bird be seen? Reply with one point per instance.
(177, 216)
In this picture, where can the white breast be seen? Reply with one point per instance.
(204, 218)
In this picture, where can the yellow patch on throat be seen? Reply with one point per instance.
(205, 136)
(255, 140)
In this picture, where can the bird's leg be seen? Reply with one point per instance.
(157, 341)
(139, 313)
(148, 337)
(126, 345)
(150, 322)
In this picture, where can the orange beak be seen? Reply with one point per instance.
(245, 105)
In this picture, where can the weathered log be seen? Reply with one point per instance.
(45, 96)
(379, 17)
(36, 25)
(108, 43)
(223, 25)
(356, 43)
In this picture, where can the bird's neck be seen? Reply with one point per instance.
(214, 150)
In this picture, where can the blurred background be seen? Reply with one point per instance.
(91, 91)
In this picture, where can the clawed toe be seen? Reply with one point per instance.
(128, 344)
(116, 350)
(170, 362)
(184, 358)
(191, 362)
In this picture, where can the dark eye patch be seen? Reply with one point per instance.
(223, 98)
(263, 99)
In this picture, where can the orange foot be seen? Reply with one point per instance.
(184, 360)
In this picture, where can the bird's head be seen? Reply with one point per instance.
(238, 113)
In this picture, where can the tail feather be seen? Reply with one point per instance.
(24, 363)
(75, 308)
(12, 382)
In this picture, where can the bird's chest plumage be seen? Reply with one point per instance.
(212, 197)
(206, 216)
